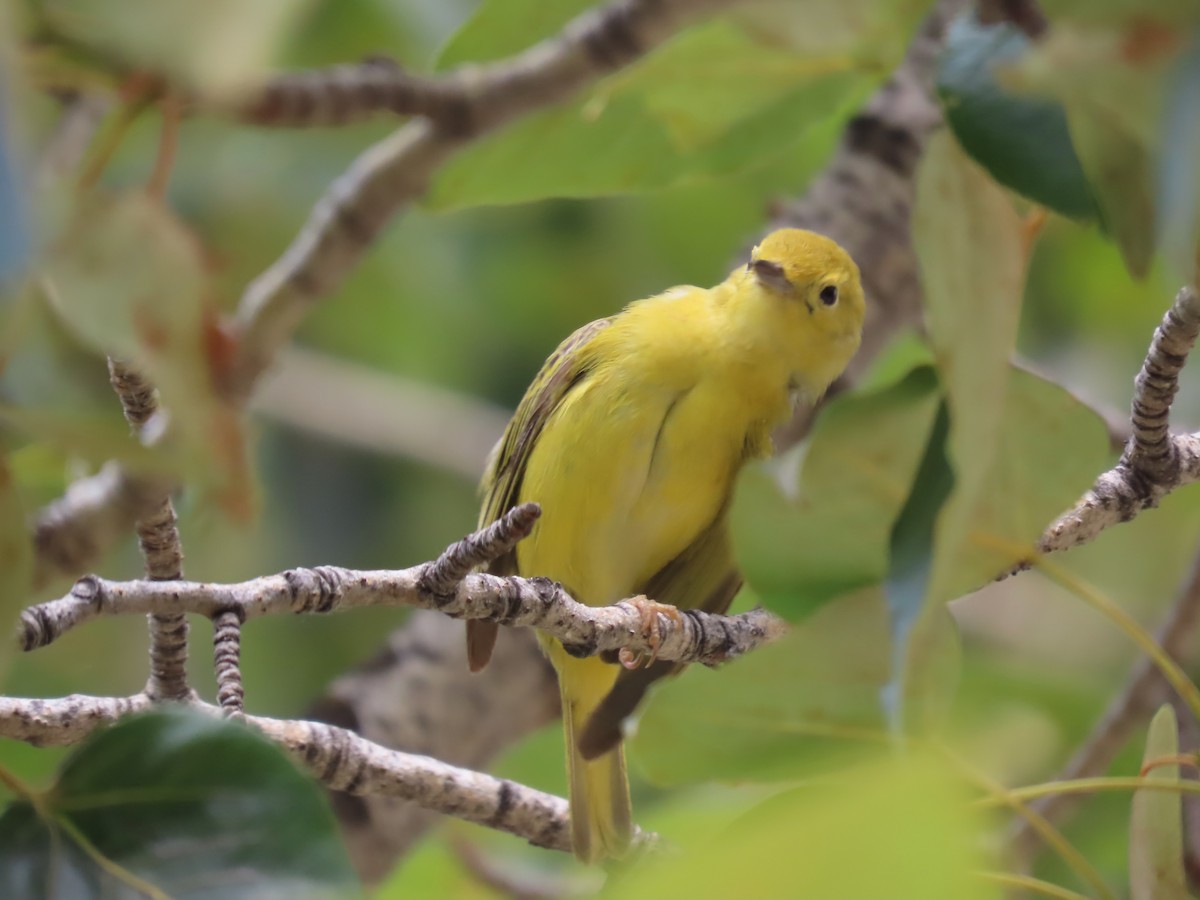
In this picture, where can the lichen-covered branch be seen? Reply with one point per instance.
(447, 585)
(338, 758)
(158, 540)
(74, 532)
(1155, 462)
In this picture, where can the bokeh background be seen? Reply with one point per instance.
(470, 301)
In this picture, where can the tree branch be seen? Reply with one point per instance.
(338, 758)
(1155, 462)
(340, 401)
(341, 95)
(395, 171)
(445, 585)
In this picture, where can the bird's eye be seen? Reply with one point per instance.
(829, 294)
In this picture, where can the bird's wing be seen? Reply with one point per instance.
(566, 367)
(704, 576)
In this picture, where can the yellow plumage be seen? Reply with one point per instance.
(630, 439)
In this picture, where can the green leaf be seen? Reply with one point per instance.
(16, 242)
(499, 28)
(1113, 83)
(968, 242)
(128, 279)
(712, 101)
(915, 690)
(1156, 869)
(16, 558)
(214, 45)
(898, 827)
(1179, 171)
(810, 701)
(1130, 13)
(92, 438)
(1022, 140)
(1049, 447)
(803, 547)
(194, 805)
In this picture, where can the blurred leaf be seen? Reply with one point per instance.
(1112, 82)
(802, 547)
(898, 828)
(808, 702)
(16, 558)
(93, 439)
(194, 805)
(711, 101)
(913, 688)
(129, 280)
(1049, 448)
(1022, 140)
(207, 45)
(867, 29)
(15, 240)
(1179, 171)
(1133, 14)
(432, 869)
(1156, 869)
(499, 28)
(968, 241)
(904, 353)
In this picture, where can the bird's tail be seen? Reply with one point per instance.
(601, 817)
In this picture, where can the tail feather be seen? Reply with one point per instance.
(601, 815)
(481, 639)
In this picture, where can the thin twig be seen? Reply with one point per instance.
(1155, 462)
(158, 539)
(227, 660)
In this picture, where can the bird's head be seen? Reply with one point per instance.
(817, 277)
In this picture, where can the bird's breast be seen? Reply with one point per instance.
(628, 475)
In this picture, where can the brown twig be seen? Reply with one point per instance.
(341, 95)
(227, 660)
(158, 539)
(1155, 462)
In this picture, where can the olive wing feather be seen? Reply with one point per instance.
(566, 367)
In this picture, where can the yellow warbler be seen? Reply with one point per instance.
(630, 438)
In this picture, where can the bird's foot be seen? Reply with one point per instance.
(649, 610)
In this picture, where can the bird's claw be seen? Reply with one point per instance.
(649, 610)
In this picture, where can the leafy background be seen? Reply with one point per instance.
(934, 474)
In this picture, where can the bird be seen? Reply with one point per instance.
(630, 439)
